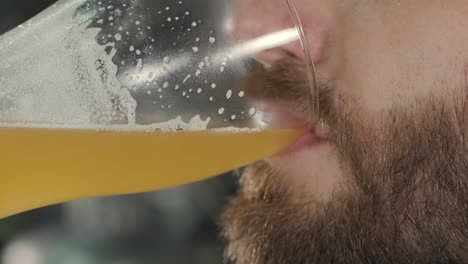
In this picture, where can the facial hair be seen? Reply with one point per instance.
(406, 194)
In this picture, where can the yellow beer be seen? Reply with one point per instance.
(40, 166)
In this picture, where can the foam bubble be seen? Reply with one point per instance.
(186, 78)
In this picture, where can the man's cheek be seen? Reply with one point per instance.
(357, 103)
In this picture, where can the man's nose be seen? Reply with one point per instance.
(255, 18)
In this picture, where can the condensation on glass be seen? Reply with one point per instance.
(130, 64)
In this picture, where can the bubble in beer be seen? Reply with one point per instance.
(186, 78)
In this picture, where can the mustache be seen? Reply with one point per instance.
(286, 83)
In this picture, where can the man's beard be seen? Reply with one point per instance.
(405, 199)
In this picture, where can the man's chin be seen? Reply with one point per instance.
(270, 220)
(313, 170)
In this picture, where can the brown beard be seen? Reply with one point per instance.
(405, 201)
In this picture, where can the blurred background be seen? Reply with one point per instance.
(171, 226)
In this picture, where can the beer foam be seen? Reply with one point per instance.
(196, 123)
(60, 74)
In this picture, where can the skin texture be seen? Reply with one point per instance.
(391, 183)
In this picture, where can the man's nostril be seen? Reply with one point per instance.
(257, 18)
(268, 56)
(280, 54)
(273, 55)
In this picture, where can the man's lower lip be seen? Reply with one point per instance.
(307, 141)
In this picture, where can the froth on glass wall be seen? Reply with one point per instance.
(171, 226)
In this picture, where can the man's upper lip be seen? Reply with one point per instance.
(283, 115)
(280, 116)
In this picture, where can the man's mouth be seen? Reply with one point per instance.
(280, 115)
(309, 140)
